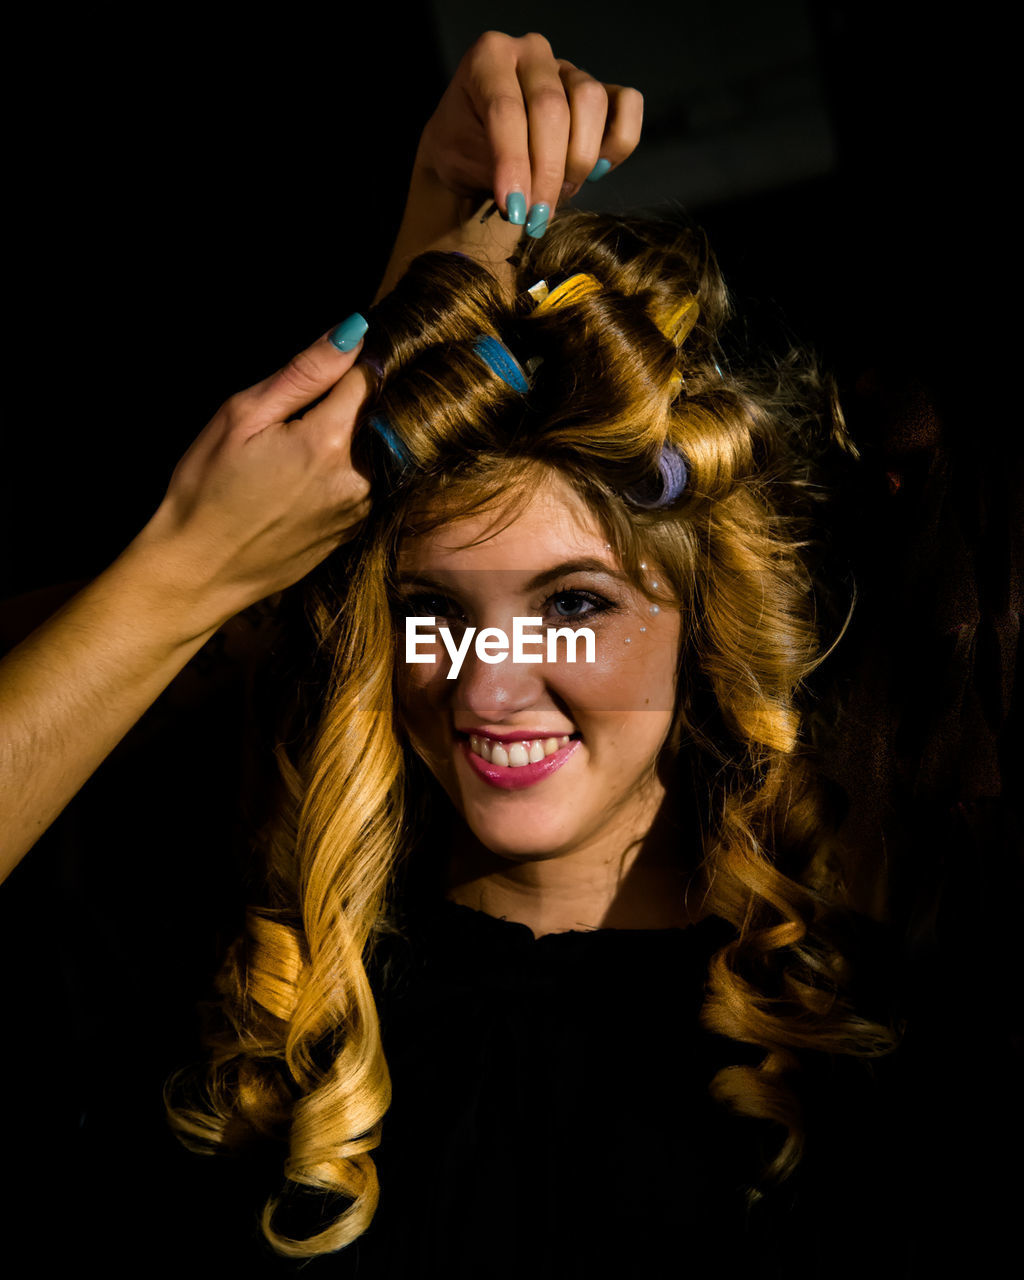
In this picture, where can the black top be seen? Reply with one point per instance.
(550, 1117)
(550, 1096)
(551, 1114)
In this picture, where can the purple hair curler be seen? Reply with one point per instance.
(672, 473)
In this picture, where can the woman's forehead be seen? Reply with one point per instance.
(536, 519)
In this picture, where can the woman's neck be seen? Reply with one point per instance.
(653, 885)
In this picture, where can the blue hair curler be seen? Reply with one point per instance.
(501, 361)
(395, 447)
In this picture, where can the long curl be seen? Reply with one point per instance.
(297, 1055)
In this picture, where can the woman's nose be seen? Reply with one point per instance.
(490, 692)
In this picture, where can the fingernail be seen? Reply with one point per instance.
(599, 170)
(516, 208)
(568, 189)
(537, 222)
(347, 334)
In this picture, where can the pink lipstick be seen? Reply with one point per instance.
(516, 778)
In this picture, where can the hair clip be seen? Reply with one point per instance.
(672, 477)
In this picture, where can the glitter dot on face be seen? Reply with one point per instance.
(628, 640)
(643, 628)
(655, 608)
(643, 564)
(654, 586)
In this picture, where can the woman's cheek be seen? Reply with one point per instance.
(634, 668)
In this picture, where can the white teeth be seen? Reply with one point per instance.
(515, 754)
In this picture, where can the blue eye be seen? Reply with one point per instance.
(565, 606)
(577, 604)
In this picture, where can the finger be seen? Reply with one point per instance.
(624, 125)
(331, 422)
(492, 84)
(308, 374)
(549, 120)
(589, 109)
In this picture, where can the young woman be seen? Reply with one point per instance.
(532, 931)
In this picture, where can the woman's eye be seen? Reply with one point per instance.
(428, 606)
(577, 604)
(566, 606)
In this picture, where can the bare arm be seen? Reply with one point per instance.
(73, 688)
(255, 503)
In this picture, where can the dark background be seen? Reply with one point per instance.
(197, 195)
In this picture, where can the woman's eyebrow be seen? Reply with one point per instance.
(585, 565)
(588, 564)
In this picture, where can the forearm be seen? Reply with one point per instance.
(436, 218)
(74, 687)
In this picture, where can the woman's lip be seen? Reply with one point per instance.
(516, 778)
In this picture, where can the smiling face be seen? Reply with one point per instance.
(548, 758)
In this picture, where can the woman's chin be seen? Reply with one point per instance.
(525, 844)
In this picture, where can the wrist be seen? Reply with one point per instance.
(451, 210)
(165, 581)
(436, 217)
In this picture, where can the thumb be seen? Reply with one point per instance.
(308, 374)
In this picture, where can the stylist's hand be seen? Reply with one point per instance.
(259, 500)
(526, 127)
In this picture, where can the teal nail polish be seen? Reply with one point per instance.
(599, 170)
(345, 335)
(516, 208)
(537, 222)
